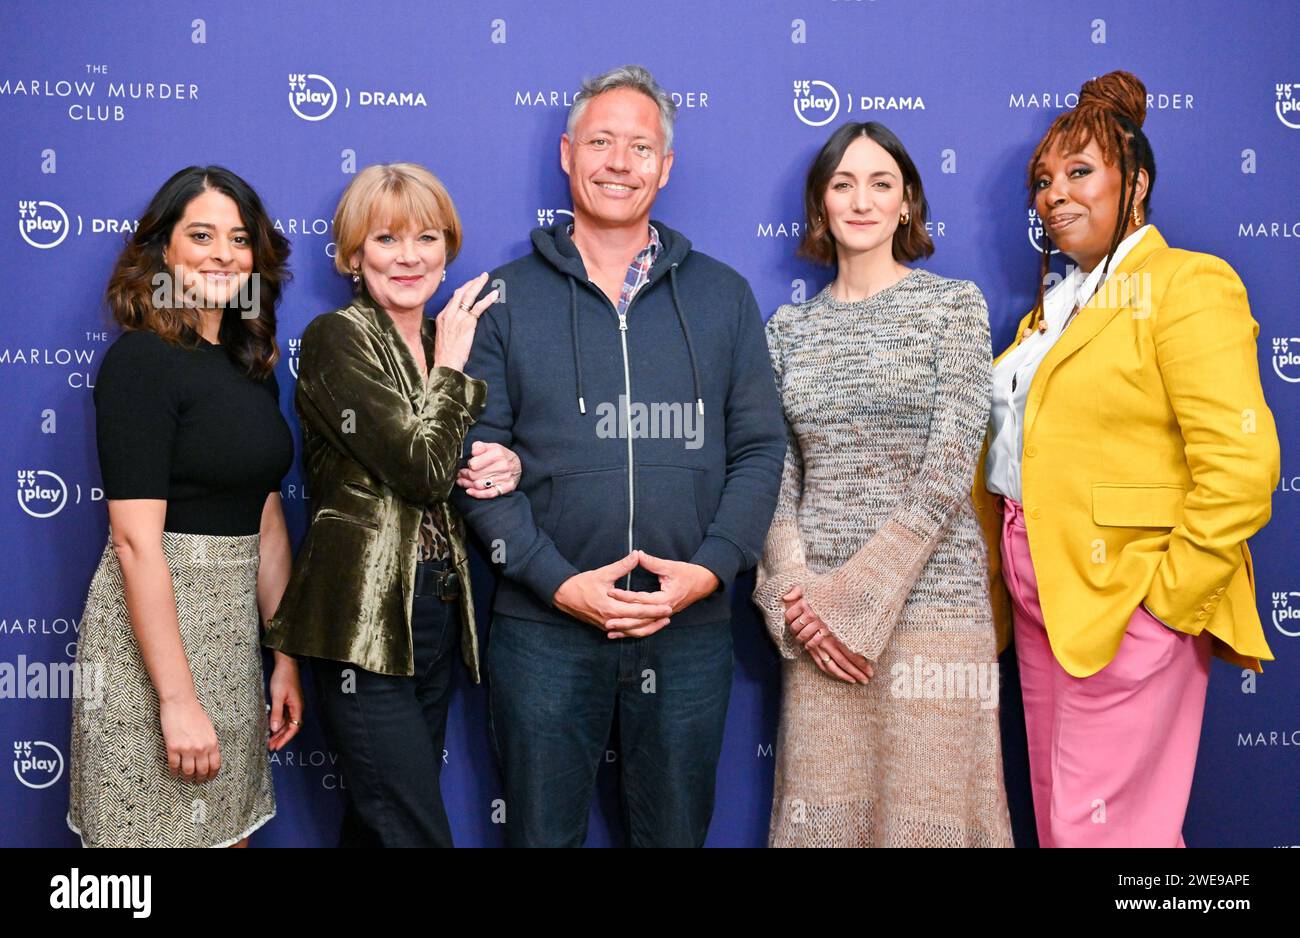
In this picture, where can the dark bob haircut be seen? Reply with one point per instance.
(247, 334)
(911, 241)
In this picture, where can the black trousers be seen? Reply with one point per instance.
(389, 732)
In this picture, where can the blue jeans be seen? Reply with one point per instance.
(389, 733)
(555, 691)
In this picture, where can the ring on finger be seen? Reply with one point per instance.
(826, 659)
(489, 482)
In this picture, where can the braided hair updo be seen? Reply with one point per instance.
(1110, 112)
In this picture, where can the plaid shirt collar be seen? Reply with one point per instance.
(638, 272)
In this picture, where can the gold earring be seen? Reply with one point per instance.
(1137, 218)
(902, 219)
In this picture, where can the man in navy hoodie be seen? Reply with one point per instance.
(631, 376)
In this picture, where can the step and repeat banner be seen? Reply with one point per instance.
(101, 103)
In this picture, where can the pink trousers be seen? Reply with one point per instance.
(1111, 755)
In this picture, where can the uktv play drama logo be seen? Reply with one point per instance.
(546, 217)
(1286, 360)
(37, 764)
(42, 224)
(43, 494)
(312, 97)
(1037, 235)
(1286, 612)
(1287, 106)
(816, 102)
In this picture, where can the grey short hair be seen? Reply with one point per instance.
(635, 77)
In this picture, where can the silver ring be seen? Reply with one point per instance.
(826, 659)
(488, 482)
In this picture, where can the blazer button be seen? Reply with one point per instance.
(1031, 450)
(1035, 512)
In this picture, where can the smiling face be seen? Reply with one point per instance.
(402, 267)
(210, 250)
(1077, 196)
(864, 199)
(615, 159)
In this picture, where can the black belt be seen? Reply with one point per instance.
(437, 578)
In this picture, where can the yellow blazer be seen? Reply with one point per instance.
(1149, 458)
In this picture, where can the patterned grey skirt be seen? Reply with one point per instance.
(121, 793)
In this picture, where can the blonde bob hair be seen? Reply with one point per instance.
(401, 196)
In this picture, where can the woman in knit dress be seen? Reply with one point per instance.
(873, 581)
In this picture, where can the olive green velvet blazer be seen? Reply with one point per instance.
(379, 445)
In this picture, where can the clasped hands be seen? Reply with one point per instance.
(826, 651)
(491, 470)
(594, 598)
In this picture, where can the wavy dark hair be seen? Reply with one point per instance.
(911, 241)
(247, 334)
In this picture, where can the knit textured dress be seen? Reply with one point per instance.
(886, 403)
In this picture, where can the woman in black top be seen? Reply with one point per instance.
(192, 448)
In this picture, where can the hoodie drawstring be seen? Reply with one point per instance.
(681, 321)
(577, 356)
(686, 333)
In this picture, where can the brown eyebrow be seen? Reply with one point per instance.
(204, 224)
(1069, 156)
(880, 172)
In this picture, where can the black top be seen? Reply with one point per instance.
(188, 426)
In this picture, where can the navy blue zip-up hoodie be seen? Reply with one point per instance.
(686, 468)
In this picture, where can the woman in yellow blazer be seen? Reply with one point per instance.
(1130, 456)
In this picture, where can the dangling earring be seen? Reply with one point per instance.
(356, 274)
(1137, 218)
(444, 276)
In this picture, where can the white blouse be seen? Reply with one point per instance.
(1015, 372)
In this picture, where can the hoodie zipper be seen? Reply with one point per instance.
(627, 409)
